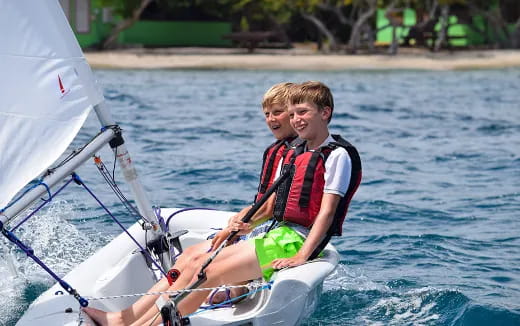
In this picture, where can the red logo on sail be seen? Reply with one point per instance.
(62, 88)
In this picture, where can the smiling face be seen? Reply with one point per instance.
(277, 119)
(309, 122)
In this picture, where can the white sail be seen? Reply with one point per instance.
(46, 90)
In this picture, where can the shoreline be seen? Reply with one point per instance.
(299, 59)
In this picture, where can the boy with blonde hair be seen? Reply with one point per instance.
(310, 207)
(274, 107)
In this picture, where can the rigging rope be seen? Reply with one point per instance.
(253, 286)
(226, 302)
(51, 170)
(133, 211)
(42, 204)
(77, 151)
(184, 210)
(145, 252)
(38, 183)
(218, 305)
(110, 180)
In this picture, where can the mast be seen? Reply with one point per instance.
(154, 223)
(129, 172)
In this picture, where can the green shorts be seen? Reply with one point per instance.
(282, 242)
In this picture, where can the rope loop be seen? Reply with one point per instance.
(48, 190)
(38, 183)
(252, 286)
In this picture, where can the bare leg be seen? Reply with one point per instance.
(235, 263)
(149, 313)
(143, 305)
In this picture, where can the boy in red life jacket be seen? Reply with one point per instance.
(274, 104)
(336, 169)
(274, 107)
(325, 173)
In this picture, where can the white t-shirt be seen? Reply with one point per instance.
(338, 169)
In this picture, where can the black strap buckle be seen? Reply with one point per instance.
(171, 316)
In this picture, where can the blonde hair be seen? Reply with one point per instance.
(314, 92)
(277, 94)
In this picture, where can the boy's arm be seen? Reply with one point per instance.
(235, 222)
(264, 213)
(316, 235)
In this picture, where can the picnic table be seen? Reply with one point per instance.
(250, 40)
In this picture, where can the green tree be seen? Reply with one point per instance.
(128, 10)
(308, 10)
(255, 15)
(501, 32)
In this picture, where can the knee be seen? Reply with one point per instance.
(198, 259)
(196, 263)
(193, 252)
(187, 255)
(214, 274)
(193, 264)
(212, 277)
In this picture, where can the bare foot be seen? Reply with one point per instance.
(104, 318)
(223, 295)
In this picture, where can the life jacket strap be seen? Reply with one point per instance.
(283, 191)
(270, 166)
(305, 194)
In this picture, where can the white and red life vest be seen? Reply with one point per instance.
(273, 155)
(298, 200)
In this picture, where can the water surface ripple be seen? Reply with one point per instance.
(433, 236)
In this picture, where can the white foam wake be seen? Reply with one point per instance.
(412, 307)
(344, 278)
(55, 241)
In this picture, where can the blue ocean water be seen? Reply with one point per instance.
(432, 237)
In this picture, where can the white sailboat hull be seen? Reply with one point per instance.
(120, 269)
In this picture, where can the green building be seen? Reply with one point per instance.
(457, 34)
(92, 24)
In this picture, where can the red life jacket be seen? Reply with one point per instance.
(298, 200)
(273, 154)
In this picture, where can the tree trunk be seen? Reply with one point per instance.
(280, 32)
(441, 38)
(515, 35)
(394, 22)
(353, 42)
(336, 10)
(392, 50)
(368, 31)
(499, 28)
(110, 41)
(333, 45)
